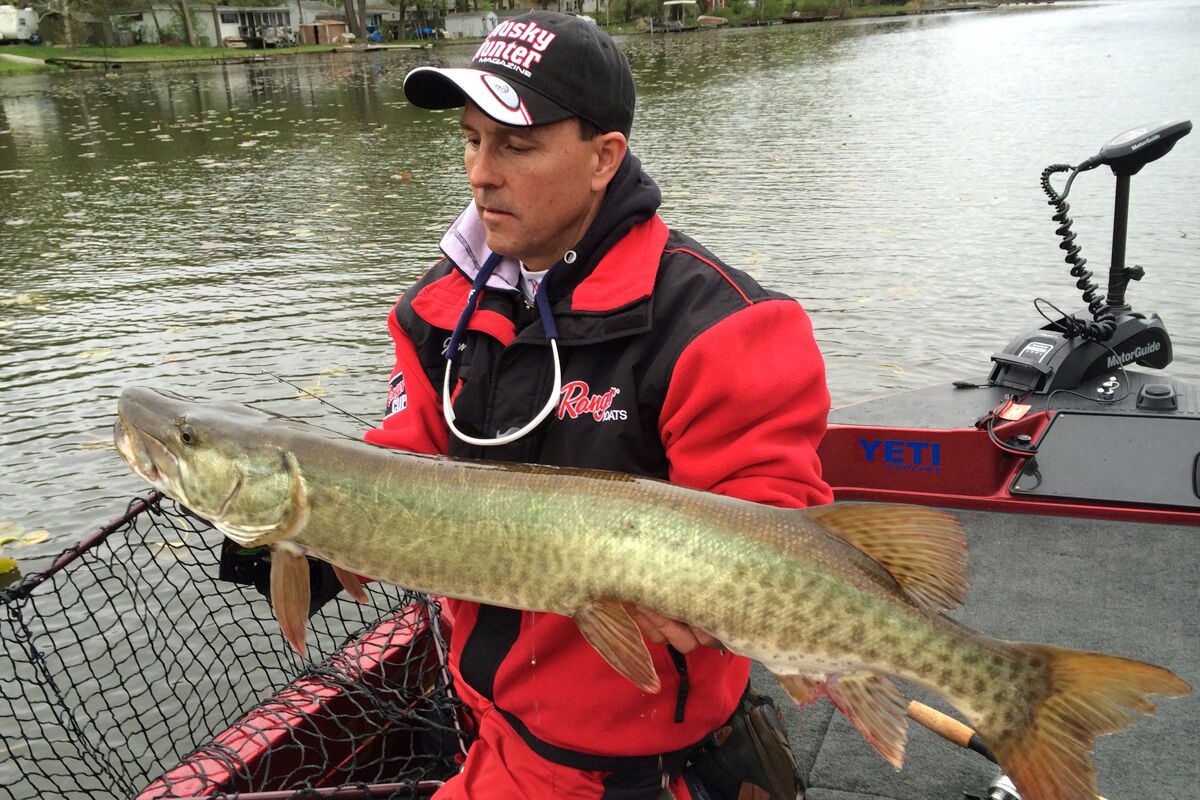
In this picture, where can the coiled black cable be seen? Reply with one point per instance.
(1104, 322)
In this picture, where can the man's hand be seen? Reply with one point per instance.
(663, 630)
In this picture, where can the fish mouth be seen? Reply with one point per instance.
(148, 457)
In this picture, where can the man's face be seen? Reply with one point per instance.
(536, 188)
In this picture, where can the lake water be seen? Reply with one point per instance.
(190, 227)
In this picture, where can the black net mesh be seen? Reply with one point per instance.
(129, 669)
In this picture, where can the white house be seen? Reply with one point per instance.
(214, 25)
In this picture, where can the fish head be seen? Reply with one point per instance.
(221, 460)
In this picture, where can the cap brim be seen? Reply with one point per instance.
(507, 102)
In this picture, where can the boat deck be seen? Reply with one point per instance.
(1088, 584)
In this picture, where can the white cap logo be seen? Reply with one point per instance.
(503, 92)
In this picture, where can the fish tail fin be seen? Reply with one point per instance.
(1044, 740)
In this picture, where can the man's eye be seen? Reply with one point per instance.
(516, 148)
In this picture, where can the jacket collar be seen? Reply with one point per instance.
(612, 300)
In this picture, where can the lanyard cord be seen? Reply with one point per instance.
(543, 305)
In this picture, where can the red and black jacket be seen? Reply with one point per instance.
(675, 366)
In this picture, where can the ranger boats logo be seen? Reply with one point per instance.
(1136, 354)
(578, 400)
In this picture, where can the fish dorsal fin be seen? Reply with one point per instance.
(608, 627)
(877, 709)
(923, 549)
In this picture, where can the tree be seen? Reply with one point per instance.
(185, 12)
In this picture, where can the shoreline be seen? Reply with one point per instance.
(20, 59)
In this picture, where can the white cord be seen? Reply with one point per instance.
(448, 409)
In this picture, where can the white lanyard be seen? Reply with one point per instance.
(543, 305)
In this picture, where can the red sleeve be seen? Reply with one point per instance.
(413, 418)
(747, 407)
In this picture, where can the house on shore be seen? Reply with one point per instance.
(290, 22)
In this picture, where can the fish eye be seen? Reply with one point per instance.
(187, 434)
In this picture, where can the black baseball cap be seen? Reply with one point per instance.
(534, 69)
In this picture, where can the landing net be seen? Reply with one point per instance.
(128, 669)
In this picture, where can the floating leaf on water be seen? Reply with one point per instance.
(99, 444)
(33, 537)
(9, 573)
(404, 176)
(95, 354)
(23, 299)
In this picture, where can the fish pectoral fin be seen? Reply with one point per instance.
(350, 583)
(923, 549)
(290, 594)
(803, 688)
(877, 709)
(610, 629)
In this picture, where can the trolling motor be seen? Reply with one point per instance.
(1070, 350)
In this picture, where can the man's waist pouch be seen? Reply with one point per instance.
(748, 758)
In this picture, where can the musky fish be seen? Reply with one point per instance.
(833, 600)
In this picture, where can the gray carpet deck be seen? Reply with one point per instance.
(1121, 588)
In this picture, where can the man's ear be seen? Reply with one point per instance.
(610, 152)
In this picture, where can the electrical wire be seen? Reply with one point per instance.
(1104, 321)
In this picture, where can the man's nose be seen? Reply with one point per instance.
(482, 170)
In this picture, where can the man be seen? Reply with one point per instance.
(567, 325)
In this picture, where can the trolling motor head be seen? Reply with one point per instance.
(1068, 351)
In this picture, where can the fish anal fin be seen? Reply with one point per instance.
(350, 583)
(610, 629)
(1079, 696)
(803, 688)
(290, 594)
(925, 550)
(877, 709)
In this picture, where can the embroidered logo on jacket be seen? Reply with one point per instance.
(397, 396)
(577, 400)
